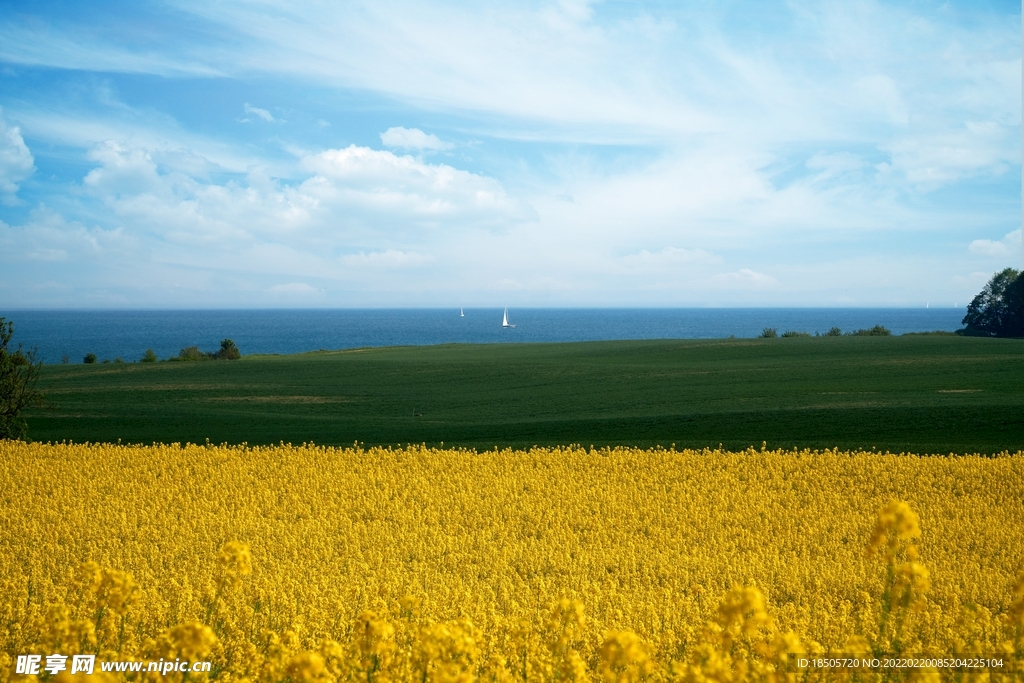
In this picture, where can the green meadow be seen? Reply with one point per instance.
(924, 394)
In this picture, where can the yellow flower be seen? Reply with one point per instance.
(306, 667)
(191, 641)
(234, 560)
(742, 610)
(896, 522)
(625, 658)
(422, 564)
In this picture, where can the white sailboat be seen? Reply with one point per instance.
(462, 314)
(504, 319)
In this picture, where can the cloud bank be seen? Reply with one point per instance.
(412, 138)
(578, 153)
(16, 162)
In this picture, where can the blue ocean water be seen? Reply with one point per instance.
(127, 334)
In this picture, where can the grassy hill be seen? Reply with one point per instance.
(935, 394)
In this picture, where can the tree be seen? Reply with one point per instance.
(876, 331)
(192, 353)
(228, 351)
(998, 311)
(19, 374)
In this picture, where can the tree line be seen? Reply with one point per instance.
(997, 311)
(227, 351)
(876, 331)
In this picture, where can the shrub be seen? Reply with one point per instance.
(149, 356)
(89, 358)
(228, 351)
(794, 333)
(876, 331)
(834, 332)
(768, 333)
(192, 353)
(19, 373)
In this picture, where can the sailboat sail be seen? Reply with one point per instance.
(504, 319)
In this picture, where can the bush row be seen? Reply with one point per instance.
(876, 331)
(228, 351)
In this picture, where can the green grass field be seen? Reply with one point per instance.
(926, 394)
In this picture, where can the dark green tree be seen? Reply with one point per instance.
(19, 374)
(998, 311)
(228, 351)
(876, 331)
(192, 353)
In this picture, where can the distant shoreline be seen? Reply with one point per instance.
(127, 334)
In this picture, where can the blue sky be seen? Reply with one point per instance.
(567, 153)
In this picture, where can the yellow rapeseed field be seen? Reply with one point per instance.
(305, 563)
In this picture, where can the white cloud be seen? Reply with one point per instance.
(669, 257)
(123, 171)
(794, 140)
(939, 158)
(881, 93)
(388, 184)
(16, 162)
(988, 248)
(835, 163)
(579, 11)
(256, 111)
(388, 259)
(357, 208)
(534, 284)
(744, 279)
(818, 68)
(412, 138)
(510, 60)
(294, 288)
(25, 43)
(159, 136)
(972, 283)
(48, 237)
(846, 68)
(1010, 245)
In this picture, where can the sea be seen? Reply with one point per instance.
(68, 335)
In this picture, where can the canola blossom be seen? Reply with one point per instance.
(309, 563)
